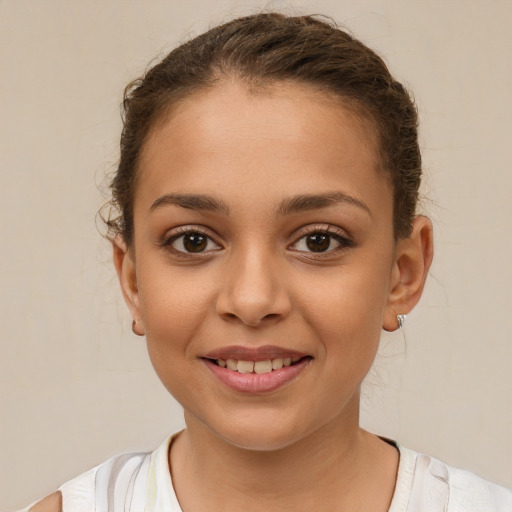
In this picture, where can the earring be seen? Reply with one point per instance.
(401, 320)
(134, 328)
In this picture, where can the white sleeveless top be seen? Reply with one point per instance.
(141, 482)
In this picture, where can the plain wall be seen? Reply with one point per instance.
(77, 387)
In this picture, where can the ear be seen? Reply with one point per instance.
(410, 269)
(124, 262)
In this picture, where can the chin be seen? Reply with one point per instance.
(258, 441)
(265, 435)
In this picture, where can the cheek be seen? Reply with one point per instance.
(349, 298)
(345, 311)
(174, 303)
(173, 308)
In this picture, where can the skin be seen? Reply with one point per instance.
(52, 503)
(257, 283)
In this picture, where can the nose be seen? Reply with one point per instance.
(253, 291)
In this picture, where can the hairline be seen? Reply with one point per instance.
(357, 108)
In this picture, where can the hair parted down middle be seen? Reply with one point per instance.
(259, 50)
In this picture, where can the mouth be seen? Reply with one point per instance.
(256, 370)
(257, 367)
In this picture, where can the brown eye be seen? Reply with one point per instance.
(322, 241)
(318, 242)
(193, 242)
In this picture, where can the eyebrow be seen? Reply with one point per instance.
(296, 204)
(191, 202)
(307, 202)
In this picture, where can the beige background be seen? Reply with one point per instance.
(76, 386)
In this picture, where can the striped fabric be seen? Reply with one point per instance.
(132, 482)
(141, 482)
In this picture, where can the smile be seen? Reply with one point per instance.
(258, 375)
(258, 367)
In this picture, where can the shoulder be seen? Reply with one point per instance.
(113, 483)
(123, 475)
(52, 503)
(469, 492)
(94, 489)
(433, 485)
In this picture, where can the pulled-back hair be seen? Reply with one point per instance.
(265, 48)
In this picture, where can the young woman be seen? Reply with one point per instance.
(266, 234)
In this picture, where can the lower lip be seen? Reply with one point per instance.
(254, 382)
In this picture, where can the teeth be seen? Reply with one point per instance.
(245, 366)
(277, 364)
(262, 366)
(257, 367)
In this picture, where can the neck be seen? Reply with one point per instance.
(329, 469)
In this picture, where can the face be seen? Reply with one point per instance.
(263, 242)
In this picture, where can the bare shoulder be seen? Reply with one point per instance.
(52, 503)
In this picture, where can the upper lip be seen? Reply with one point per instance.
(263, 353)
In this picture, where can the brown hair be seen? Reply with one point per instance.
(261, 49)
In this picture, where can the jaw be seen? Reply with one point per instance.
(272, 423)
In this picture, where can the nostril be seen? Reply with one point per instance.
(230, 316)
(252, 309)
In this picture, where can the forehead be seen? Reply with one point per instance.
(281, 140)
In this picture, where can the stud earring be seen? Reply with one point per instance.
(134, 328)
(401, 320)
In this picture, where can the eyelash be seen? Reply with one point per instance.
(183, 231)
(331, 231)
